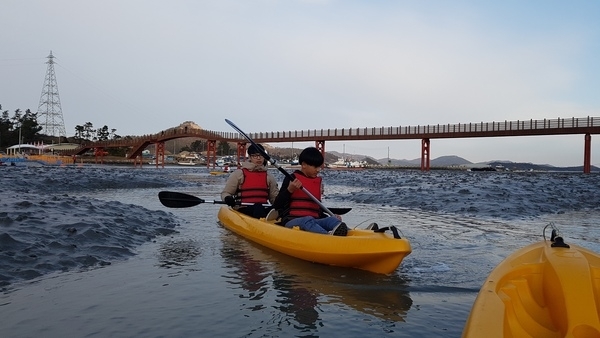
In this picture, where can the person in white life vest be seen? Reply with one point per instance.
(251, 184)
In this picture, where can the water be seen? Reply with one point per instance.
(90, 251)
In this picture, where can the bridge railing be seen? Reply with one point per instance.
(369, 132)
(170, 133)
(436, 129)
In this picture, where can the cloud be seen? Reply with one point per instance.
(144, 66)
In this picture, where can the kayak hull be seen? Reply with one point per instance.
(361, 249)
(540, 291)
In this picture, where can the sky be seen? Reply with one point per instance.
(142, 66)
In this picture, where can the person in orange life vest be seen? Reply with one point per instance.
(251, 184)
(297, 208)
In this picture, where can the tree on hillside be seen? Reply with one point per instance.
(223, 148)
(26, 124)
(79, 133)
(88, 131)
(102, 134)
(197, 146)
(5, 127)
(29, 127)
(113, 134)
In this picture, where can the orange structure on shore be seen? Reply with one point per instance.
(585, 126)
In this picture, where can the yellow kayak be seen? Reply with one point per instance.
(546, 289)
(378, 252)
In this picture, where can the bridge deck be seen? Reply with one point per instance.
(559, 126)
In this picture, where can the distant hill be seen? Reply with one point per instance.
(442, 161)
(532, 166)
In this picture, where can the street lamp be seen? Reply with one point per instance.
(20, 124)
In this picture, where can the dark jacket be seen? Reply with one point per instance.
(282, 202)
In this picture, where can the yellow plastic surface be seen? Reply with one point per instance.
(361, 249)
(540, 291)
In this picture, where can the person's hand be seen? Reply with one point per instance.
(294, 185)
(229, 200)
(338, 217)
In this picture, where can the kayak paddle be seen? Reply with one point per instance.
(172, 199)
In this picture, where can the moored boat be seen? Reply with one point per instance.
(346, 164)
(379, 252)
(546, 289)
(188, 163)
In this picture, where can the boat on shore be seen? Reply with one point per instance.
(347, 164)
(482, 169)
(546, 289)
(375, 251)
(187, 163)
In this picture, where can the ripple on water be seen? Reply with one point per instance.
(460, 226)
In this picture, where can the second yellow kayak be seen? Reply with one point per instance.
(547, 289)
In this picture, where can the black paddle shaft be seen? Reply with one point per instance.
(173, 199)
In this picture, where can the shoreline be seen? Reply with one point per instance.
(124, 162)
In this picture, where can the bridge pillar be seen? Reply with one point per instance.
(135, 161)
(241, 153)
(99, 153)
(160, 154)
(211, 153)
(587, 153)
(320, 145)
(425, 154)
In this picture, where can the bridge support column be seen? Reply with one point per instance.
(241, 153)
(99, 153)
(320, 145)
(136, 159)
(160, 154)
(425, 154)
(211, 153)
(587, 154)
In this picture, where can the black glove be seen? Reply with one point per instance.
(230, 201)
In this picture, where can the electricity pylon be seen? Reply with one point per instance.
(50, 116)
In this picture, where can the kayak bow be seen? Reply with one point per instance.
(546, 289)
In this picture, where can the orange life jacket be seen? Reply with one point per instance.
(255, 188)
(301, 204)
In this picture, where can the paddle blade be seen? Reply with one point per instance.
(171, 199)
(340, 211)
